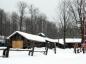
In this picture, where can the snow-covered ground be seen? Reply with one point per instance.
(62, 57)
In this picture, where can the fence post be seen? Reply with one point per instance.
(55, 48)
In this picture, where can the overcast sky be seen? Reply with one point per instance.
(47, 7)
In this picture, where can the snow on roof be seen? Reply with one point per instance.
(33, 37)
(42, 34)
(76, 40)
(61, 41)
(51, 40)
(43, 39)
(28, 36)
(70, 40)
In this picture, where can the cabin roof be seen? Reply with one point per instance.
(51, 40)
(43, 39)
(28, 36)
(70, 40)
(33, 37)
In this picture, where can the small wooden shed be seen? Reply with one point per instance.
(20, 39)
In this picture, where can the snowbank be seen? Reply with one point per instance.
(62, 57)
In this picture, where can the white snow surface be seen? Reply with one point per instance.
(29, 36)
(51, 40)
(42, 34)
(70, 40)
(63, 56)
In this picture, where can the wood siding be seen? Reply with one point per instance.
(17, 44)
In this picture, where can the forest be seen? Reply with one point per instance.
(29, 18)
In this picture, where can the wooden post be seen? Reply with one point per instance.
(46, 51)
(32, 48)
(29, 52)
(6, 51)
(75, 48)
(32, 51)
(55, 48)
(83, 50)
(46, 48)
(80, 48)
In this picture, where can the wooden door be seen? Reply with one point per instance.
(17, 44)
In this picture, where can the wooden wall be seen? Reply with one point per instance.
(20, 40)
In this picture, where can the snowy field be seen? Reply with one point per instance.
(62, 57)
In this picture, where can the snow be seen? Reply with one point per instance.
(70, 40)
(51, 40)
(43, 39)
(77, 40)
(42, 34)
(33, 37)
(63, 56)
(29, 36)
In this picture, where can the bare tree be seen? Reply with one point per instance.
(34, 12)
(70, 15)
(21, 6)
(76, 8)
(1, 20)
(14, 20)
(64, 18)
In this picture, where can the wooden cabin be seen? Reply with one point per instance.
(24, 40)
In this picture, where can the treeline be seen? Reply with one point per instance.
(29, 19)
(32, 21)
(69, 19)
